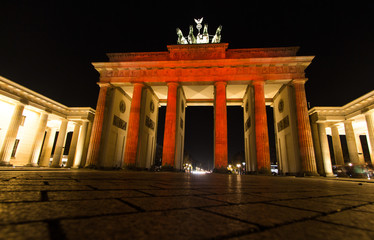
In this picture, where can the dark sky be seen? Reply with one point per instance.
(48, 46)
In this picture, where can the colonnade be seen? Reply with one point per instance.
(220, 126)
(43, 140)
(352, 120)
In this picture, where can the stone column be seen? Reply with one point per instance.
(80, 145)
(11, 134)
(38, 140)
(351, 142)
(317, 145)
(47, 147)
(337, 146)
(308, 161)
(360, 152)
(370, 126)
(95, 140)
(261, 129)
(325, 149)
(133, 129)
(86, 144)
(73, 145)
(168, 151)
(59, 148)
(220, 126)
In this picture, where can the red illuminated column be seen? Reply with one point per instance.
(168, 152)
(133, 128)
(308, 161)
(95, 140)
(261, 128)
(220, 118)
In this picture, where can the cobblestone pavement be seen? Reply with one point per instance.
(89, 204)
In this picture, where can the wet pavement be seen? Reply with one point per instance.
(90, 204)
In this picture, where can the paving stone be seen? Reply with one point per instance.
(263, 214)
(178, 224)
(19, 196)
(357, 219)
(366, 208)
(106, 186)
(310, 204)
(338, 200)
(42, 188)
(174, 192)
(30, 231)
(22, 182)
(80, 195)
(238, 198)
(37, 211)
(310, 230)
(358, 197)
(165, 203)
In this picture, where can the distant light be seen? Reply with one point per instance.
(350, 164)
(243, 163)
(198, 172)
(238, 165)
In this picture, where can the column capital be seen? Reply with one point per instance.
(138, 84)
(23, 101)
(369, 112)
(258, 82)
(220, 82)
(299, 81)
(348, 121)
(103, 84)
(172, 84)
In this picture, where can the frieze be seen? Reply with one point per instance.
(197, 71)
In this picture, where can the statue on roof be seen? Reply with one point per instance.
(181, 39)
(191, 37)
(217, 36)
(200, 38)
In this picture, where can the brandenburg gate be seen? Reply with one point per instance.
(202, 72)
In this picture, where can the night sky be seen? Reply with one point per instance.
(49, 46)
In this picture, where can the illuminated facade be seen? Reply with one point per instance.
(134, 85)
(28, 126)
(353, 122)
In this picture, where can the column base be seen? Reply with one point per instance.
(55, 166)
(91, 167)
(167, 168)
(329, 175)
(264, 171)
(6, 164)
(309, 174)
(31, 165)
